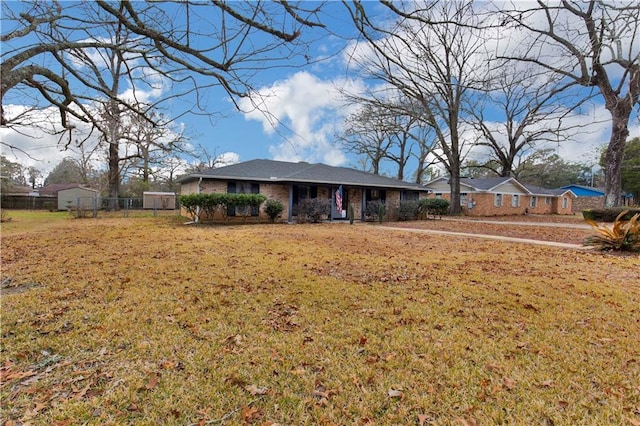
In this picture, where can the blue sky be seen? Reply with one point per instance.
(305, 112)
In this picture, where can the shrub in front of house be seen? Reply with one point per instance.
(434, 207)
(191, 202)
(408, 210)
(195, 204)
(273, 208)
(313, 210)
(609, 214)
(376, 209)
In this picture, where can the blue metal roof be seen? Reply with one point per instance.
(584, 191)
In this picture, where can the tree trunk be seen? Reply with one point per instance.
(614, 157)
(454, 185)
(114, 175)
(113, 119)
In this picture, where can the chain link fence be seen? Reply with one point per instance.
(118, 207)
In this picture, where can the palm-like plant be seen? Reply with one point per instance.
(622, 235)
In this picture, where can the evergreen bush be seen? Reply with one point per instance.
(273, 208)
(313, 210)
(609, 214)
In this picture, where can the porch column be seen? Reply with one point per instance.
(333, 203)
(364, 204)
(290, 218)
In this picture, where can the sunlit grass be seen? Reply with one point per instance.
(144, 320)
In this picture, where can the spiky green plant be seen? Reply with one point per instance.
(622, 235)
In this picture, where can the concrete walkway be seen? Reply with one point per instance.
(492, 237)
(545, 224)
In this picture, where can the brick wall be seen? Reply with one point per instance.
(484, 205)
(584, 203)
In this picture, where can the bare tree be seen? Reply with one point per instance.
(429, 55)
(189, 45)
(592, 44)
(152, 144)
(519, 114)
(205, 159)
(367, 134)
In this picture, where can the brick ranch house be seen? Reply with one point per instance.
(292, 182)
(504, 196)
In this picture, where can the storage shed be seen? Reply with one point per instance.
(159, 200)
(78, 197)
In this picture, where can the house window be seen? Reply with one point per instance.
(410, 195)
(565, 202)
(376, 194)
(243, 188)
(547, 200)
(302, 192)
(497, 200)
(515, 200)
(534, 201)
(438, 195)
(463, 199)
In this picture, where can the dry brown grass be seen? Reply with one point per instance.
(145, 320)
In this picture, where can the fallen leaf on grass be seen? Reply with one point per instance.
(255, 390)
(508, 383)
(13, 375)
(153, 382)
(251, 414)
(422, 419)
(395, 393)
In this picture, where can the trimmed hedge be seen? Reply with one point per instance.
(195, 204)
(609, 214)
(434, 207)
(408, 210)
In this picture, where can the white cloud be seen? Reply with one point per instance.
(306, 111)
(227, 158)
(33, 147)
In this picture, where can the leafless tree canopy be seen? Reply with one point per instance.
(427, 55)
(593, 44)
(188, 45)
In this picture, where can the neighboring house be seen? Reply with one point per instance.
(504, 196)
(73, 196)
(292, 182)
(593, 198)
(586, 197)
(25, 197)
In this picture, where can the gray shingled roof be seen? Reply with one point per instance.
(484, 184)
(286, 172)
(537, 190)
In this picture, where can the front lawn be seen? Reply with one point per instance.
(148, 321)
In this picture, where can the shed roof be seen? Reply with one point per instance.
(54, 188)
(287, 172)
